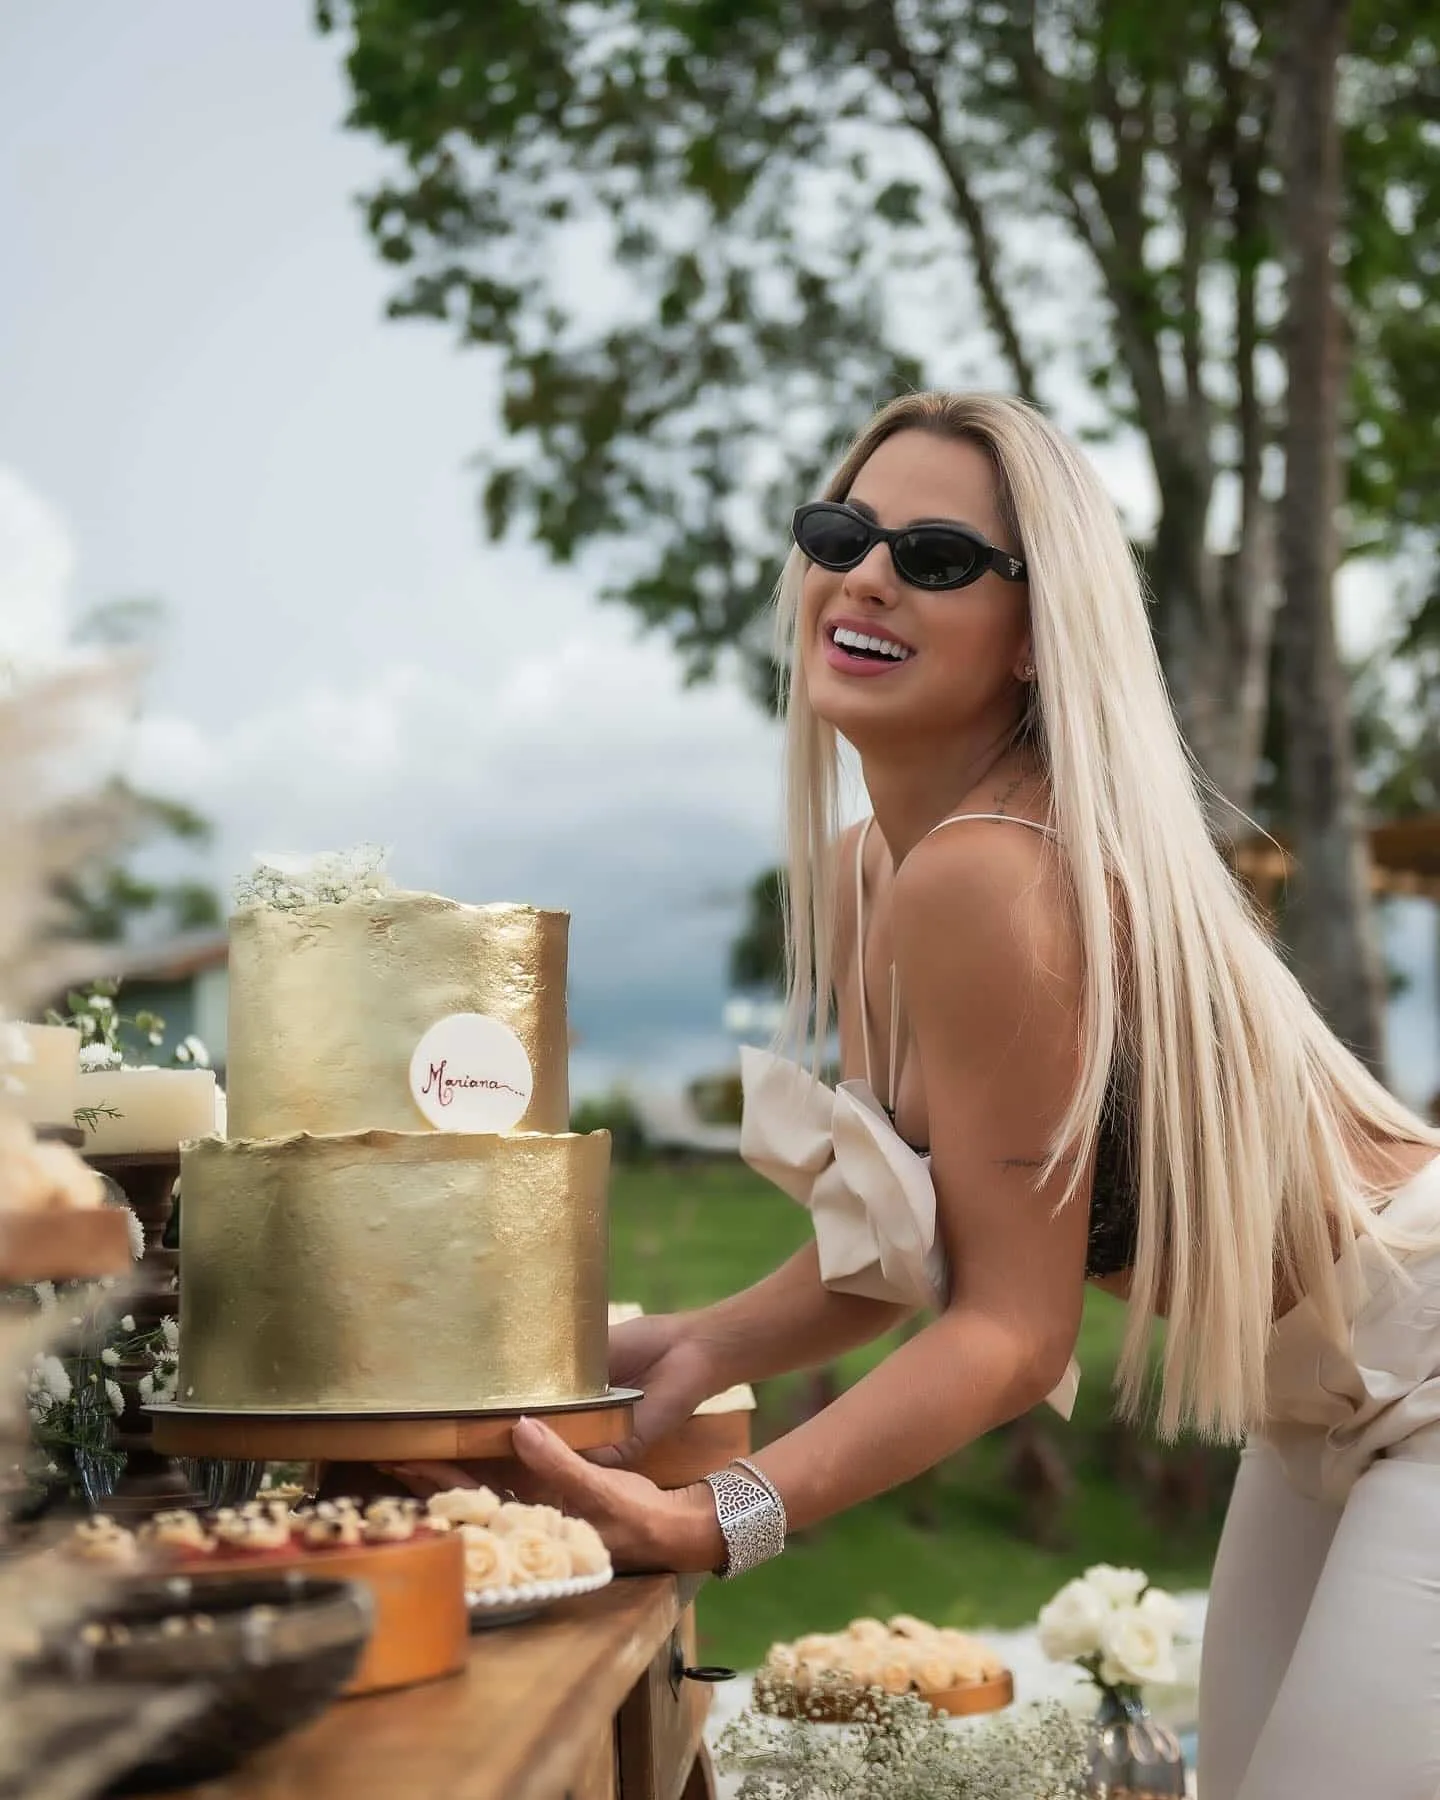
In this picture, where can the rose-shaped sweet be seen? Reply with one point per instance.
(894, 1672)
(1121, 1587)
(817, 1646)
(969, 1659)
(935, 1673)
(100, 1539)
(537, 1556)
(487, 1558)
(781, 1662)
(511, 1516)
(1135, 1649)
(856, 1663)
(868, 1631)
(1071, 1623)
(905, 1625)
(464, 1506)
(588, 1555)
(1164, 1609)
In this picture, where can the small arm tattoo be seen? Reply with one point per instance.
(1032, 1162)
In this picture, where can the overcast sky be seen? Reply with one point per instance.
(201, 401)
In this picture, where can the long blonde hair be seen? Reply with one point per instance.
(1243, 1106)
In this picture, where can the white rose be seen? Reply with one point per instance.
(1120, 1587)
(1070, 1625)
(1134, 1648)
(1163, 1610)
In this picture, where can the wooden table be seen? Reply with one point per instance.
(587, 1703)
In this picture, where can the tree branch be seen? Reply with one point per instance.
(929, 122)
(1111, 225)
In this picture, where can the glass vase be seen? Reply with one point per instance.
(1132, 1755)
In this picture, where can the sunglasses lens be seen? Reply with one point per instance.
(835, 540)
(933, 557)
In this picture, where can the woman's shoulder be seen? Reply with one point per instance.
(982, 889)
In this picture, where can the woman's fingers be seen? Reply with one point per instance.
(426, 1478)
(556, 1465)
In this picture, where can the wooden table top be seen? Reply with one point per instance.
(532, 1699)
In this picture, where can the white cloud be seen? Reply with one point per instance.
(37, 560)
(581, 775)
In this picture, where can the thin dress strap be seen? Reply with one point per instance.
(1002, 818)
(889, 1100)
(860, 944)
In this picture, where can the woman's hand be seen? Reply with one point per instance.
(643, 1526)
(665, 1357)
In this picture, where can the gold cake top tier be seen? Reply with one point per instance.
(329, 1002)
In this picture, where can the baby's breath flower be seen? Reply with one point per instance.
(900, 1749)
(326, 880)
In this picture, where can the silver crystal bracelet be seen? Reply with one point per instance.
(751, 1515)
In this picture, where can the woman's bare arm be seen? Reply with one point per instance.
(788, 1321)
(990, 964)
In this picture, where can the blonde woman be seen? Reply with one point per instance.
(1070, 1053)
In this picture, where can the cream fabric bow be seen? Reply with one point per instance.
(869, 1195)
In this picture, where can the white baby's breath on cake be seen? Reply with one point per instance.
(290, 884)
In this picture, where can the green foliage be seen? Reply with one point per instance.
(104, 1031)
(757, 956)
(717, 1099)
(616, 1113)
(106, 899)
(805, 206)
(1397, 716)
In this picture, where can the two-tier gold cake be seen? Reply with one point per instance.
(400, 1219)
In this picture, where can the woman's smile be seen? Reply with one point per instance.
(861, 647)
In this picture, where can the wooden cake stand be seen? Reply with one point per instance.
(384, 1437)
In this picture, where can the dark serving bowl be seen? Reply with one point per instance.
(267, 1654)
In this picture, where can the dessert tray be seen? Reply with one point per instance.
(831, 1678)
(512, 1605)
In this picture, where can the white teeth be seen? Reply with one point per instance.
(856, 640)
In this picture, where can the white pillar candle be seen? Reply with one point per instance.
(158, 1109)
(44, 1079)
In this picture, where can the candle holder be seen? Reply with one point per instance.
(149, 1482)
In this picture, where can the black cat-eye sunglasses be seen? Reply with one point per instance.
(935, 554)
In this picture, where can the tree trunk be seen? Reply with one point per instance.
(1329, 921)
(1214, 625)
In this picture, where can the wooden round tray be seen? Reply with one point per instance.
(79, 1245)
(181, 1430)
(836, 1706)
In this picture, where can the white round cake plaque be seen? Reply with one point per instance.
(471, 1073)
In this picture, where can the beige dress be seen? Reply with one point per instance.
(1320, 1678)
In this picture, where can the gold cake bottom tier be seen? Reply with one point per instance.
(400, 1271)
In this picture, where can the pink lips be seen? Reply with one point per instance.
(850, 664)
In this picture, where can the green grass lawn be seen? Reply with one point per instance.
(952, 1548)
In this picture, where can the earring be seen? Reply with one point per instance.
(1028, 672)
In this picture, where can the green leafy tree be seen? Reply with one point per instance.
(788, 210)
(757, 956)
